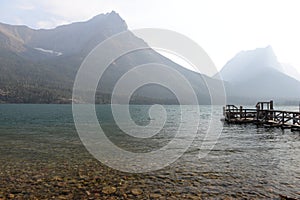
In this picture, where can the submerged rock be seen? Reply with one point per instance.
(136, 191)
(155, 196)
(109, 190)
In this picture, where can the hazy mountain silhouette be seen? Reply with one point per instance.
(291, 71)
(256, 75)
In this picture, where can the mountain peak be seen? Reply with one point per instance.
(114, 13)
(247, 64)
(111, 16)
(261, 50)
(268, 49)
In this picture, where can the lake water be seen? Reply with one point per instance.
(41, 156)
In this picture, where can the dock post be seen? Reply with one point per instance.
(282, 120)
(271, 116)
(241, 112)
(257, 111)
(294, 119)
(271, 105)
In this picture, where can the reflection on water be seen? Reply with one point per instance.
(39, 142)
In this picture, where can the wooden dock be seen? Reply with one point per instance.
(264, 115)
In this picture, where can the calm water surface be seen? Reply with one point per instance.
(39, 142)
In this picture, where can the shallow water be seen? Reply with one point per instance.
(41, 155)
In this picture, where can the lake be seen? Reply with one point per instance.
(42, 156)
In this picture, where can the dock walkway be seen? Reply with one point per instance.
(263, 114)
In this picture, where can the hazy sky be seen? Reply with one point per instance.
(221, 27)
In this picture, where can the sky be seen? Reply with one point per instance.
(221, 27)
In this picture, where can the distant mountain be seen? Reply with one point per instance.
(291, 71)
(39, 66)
(247, 64)
(257, 75)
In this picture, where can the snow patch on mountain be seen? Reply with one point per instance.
(49, 51)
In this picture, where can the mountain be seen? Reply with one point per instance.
(247, 64)
(291, 71)
(257, 75)
(39, 66)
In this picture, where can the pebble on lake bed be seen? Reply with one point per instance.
(155, 195)
(109, 190)
(136, 191)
